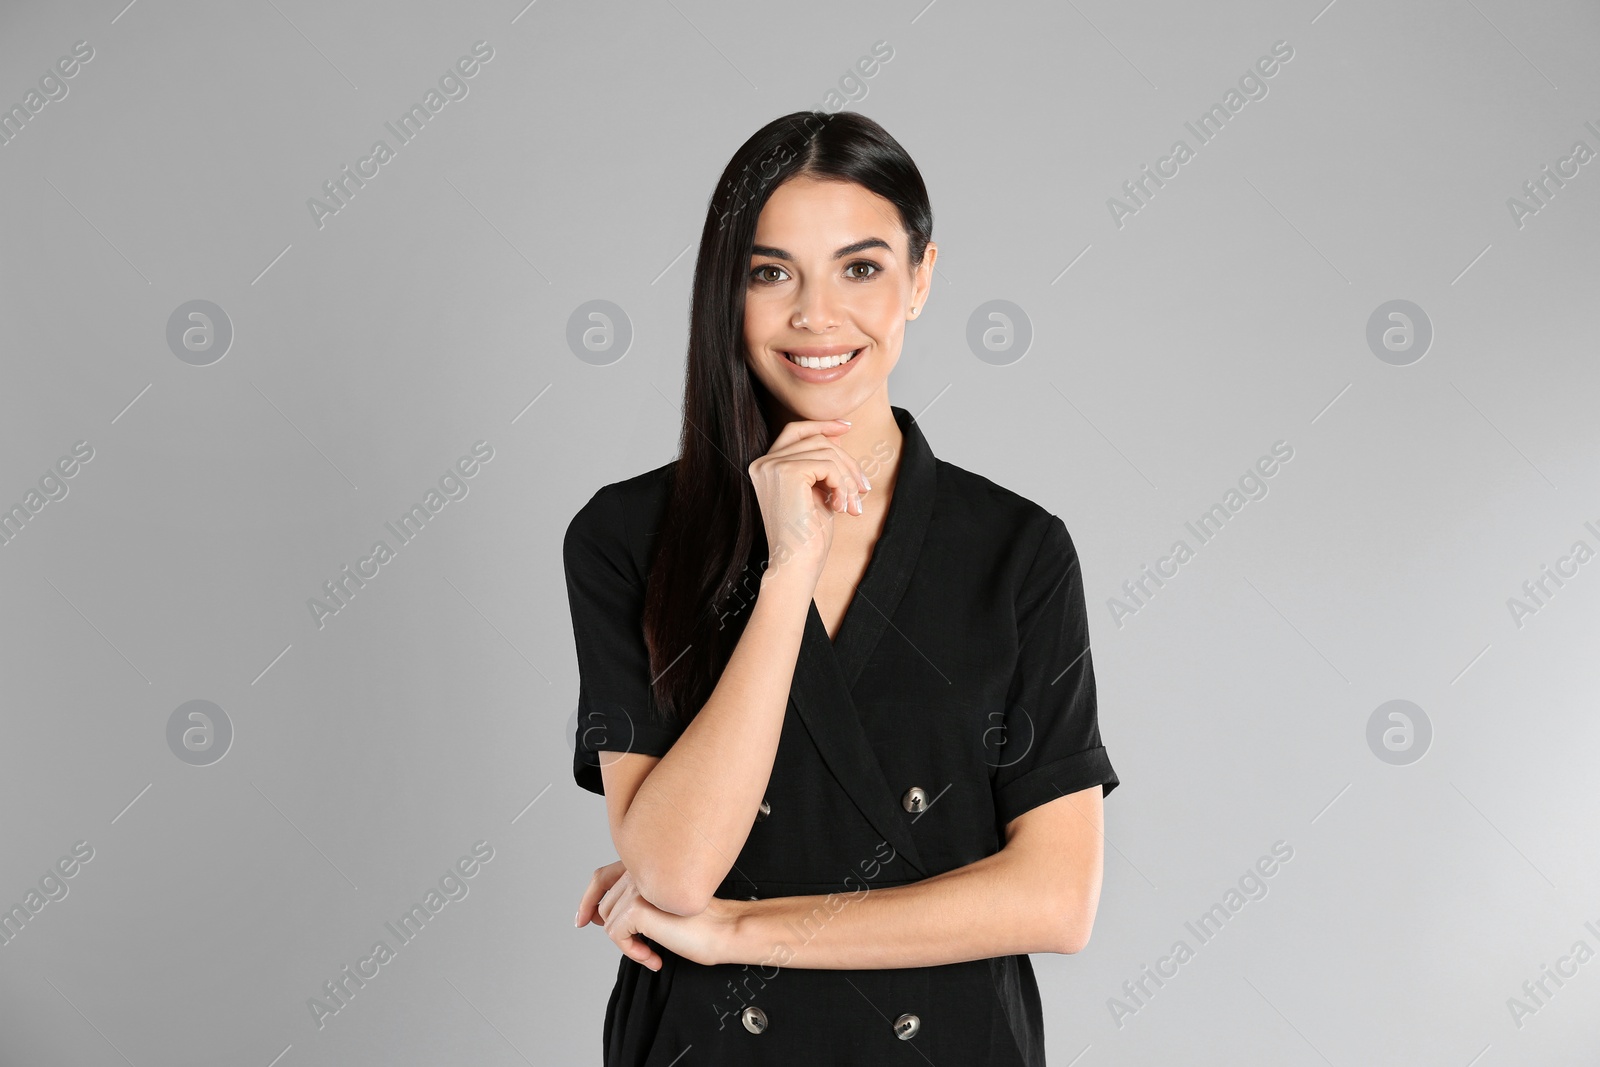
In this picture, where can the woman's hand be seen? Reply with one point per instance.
(805, 475)
(588, 908)
(613, 900)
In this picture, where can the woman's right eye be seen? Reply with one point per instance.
(756, 275)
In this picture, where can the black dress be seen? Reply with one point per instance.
(959, 694)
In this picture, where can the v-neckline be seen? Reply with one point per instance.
(873, 557)
(894, 553)
(826, 669)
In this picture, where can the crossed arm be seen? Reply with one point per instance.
(1039, 893)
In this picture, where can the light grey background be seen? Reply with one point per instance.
(431, 312)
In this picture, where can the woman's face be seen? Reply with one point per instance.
(829, 274)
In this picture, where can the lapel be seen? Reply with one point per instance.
(826, 671)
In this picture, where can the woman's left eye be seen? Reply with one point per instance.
(760, 274)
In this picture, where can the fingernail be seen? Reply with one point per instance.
(847, 422)
(576, 916)
(865, 481)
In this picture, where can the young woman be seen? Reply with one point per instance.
(852, 765)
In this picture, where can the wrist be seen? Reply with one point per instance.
(733, 930)
(793, 582)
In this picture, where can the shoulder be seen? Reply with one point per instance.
(985, 512)
(642, 491)
(620, 518)
(1017, 544)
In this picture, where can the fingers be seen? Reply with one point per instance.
(617, 909)
(820, 468)
(833, 468)
(844, 490)
(602, 880)
(603, 907)
(615, 897)
(801, 428)
(797, 433)
(635, 948)
(607, 892)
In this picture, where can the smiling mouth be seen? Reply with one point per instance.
(822, 362)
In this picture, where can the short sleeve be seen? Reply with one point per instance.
(1052, 731)
(605, 590)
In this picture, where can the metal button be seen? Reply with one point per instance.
(907, 1026)
(763, 811)
(752, 898)
(915, 800)
(755, 1020)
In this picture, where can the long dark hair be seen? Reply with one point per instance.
(704, 574)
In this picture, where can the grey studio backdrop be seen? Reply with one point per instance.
(1340, 347)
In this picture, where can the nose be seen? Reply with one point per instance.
(814, 309)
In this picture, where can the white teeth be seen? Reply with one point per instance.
(821, 362)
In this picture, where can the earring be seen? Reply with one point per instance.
(913, 310)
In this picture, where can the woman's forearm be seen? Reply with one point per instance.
(993, 907)
(693, 812)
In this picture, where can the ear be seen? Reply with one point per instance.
(923, 284)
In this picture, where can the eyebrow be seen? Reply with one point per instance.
(847, 250)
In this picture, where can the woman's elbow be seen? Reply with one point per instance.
(673, 893)
(1072, 938)
(687, 905)
(1075, 925)
(663, 881)
(1073, 910)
